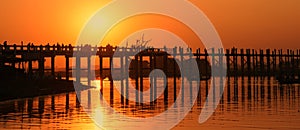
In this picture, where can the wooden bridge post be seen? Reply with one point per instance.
(53, 66)
(14, 55)
(190, 72)
(198, 83)
(165, 65)
(248, 61)
(280, 63)
(288, 62)
(155, 77)
(221, 66)
(228, 62)
(242, 62)
(141, 69)
(67, 67)
(101, 71)
(174, 71)
(136, 69)
(182, 73)
(111, 66)
(127, 78)
(268, 62)
(293, 64)
(30, 68)
(274, 68)
(41, 65)
(262, 66)
(235, 61)
(78, 69)
(254, 53)
(256, 64)
(122, 76)
(206, 59)
(151, 78)
(213, 73)
(89, 70)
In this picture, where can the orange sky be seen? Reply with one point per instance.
(240, 23)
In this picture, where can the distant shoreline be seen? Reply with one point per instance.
(17, 89)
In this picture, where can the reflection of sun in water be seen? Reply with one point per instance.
(97, 84)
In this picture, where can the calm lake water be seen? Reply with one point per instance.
(255, 103)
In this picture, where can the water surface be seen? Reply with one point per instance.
(255, 103)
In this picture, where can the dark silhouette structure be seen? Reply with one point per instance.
(17, 60)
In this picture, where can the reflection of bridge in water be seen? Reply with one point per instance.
(249, 73)
(254, 94)
(247, 62)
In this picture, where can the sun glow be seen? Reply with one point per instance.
(140, 22)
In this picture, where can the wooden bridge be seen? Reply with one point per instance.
(239, 62)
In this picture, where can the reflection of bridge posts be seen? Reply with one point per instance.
(67, 102)
(249, 88)
(243, 91)
(111, 93)
(29, 106)
(269, 90)
(41, 105)
(78, 99)
(235, 89)
(52, 102)
(89, 99)
(228, 89)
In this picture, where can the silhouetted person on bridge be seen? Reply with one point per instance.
(70, 47)
(32, 46)
(48, 47)
(28, 46)
(58, 47)
(5, 45)
(109, 47)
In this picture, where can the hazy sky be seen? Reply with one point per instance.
(240, 23)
